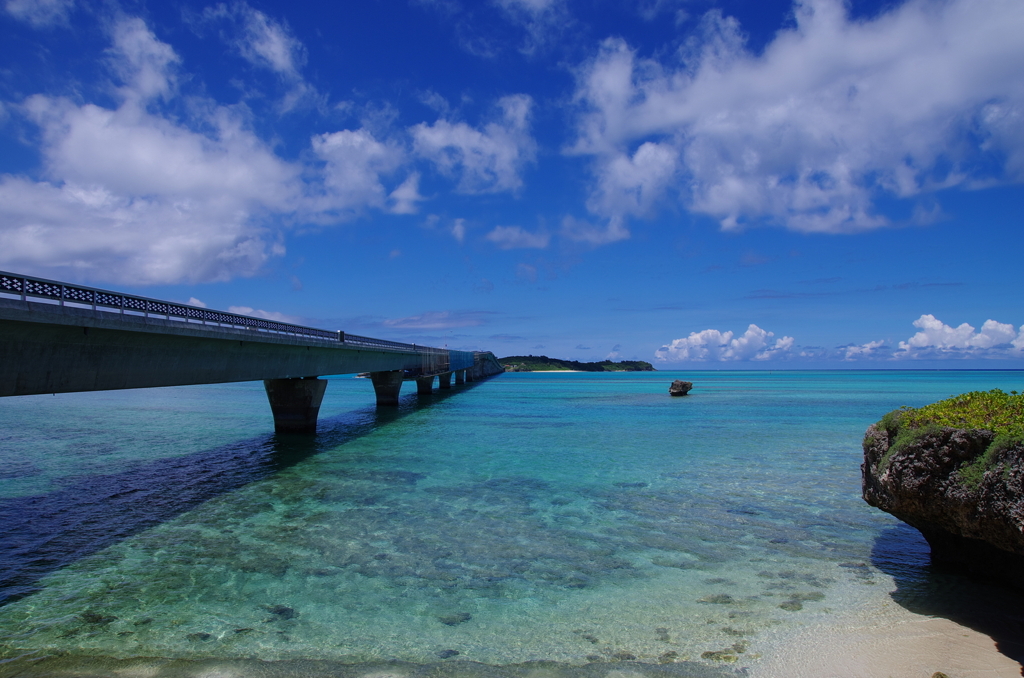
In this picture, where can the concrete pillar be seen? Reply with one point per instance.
(460, 377)
(424, 385)
(295, 403)
(387, 386)
(444, 381)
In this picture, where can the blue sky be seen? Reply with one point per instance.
(697, 183)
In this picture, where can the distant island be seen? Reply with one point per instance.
(542, 363)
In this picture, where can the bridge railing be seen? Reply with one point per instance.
(370, 342)
(29, 287)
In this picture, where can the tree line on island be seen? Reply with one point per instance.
(542, 363)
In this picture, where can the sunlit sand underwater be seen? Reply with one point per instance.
(564, 522)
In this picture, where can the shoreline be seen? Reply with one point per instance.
(867, 643)
(879, 643)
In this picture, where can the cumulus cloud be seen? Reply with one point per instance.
(406, 198)
(40, 13)
(356, 161)
(515, 237)
(868, 350)
(137, 197)
(166, 186)
(717, 346)
(833, 114)
(145, 64)
(630, 185)
(935, 339)
(486, 160)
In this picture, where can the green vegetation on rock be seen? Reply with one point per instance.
(535, 363)
(995, 411)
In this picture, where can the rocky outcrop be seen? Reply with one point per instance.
(965, 498)
(680, 387)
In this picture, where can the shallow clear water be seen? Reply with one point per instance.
(576, 518)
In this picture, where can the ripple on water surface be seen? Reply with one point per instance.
(606, 528)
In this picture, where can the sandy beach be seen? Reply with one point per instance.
(887, 643)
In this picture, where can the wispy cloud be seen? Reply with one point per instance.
(439, 320)
(41, 13)
(515, 237)
(267, 43)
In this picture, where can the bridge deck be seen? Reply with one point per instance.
(58, 338)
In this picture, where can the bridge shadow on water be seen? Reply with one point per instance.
(41, 534)
(926, 588)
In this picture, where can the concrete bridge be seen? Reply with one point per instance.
(61, 338)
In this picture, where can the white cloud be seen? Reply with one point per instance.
(40, 13)
(593, 234)
(515, 237)
(717, 346)
(136, 197)
(145, 64)
(935, 339)
(438, 320)
(833, 114)
(652, 9)
(488, 160)
(404, 199)
(356, 161)
(631, 185)
(543, 20)
(166, 186)
(526, 272)
(868, 350)
(534, 7)
(266, 315)
(459, 230)
(192, 301)
(268, 44)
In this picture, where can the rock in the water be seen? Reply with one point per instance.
(282, 611)
(680, 387)
(717, 599)
(924, 481)
(455, 619)
(447, 654)
(96, 618)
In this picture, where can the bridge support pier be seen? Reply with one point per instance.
(387, 386)
(424, 385)
(460, 377)
(295, 403)
(444, 381)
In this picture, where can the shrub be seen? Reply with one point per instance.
(996, 411)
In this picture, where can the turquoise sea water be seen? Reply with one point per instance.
(577, 519)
